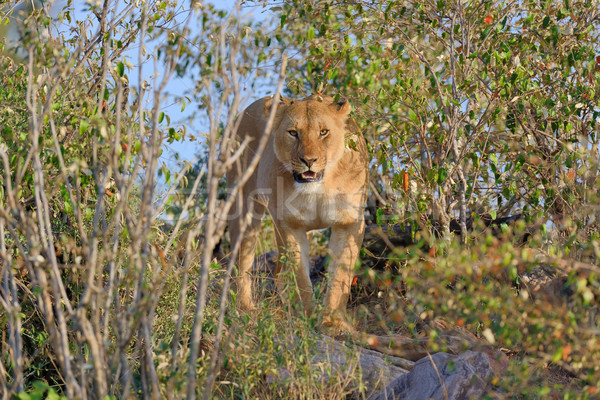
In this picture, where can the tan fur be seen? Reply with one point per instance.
(336, 201)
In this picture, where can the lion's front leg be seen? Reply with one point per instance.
(344, 245)
(294, 245)
(247, 244)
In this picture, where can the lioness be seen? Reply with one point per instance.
(313, 174)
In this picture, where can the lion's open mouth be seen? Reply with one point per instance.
(308, 176)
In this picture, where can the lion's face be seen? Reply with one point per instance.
(309, 137)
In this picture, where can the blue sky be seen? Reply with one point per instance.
(188, 150)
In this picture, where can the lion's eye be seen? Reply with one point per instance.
(293, 133)
(324, 132)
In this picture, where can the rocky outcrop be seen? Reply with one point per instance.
(443, 376)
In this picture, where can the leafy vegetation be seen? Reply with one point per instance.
(474, 112)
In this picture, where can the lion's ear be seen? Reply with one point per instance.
(341, 107)
(283, 102)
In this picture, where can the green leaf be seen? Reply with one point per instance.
(546, 22)
(442, 175)
(83, 126)
(67, 207)
(120, 68)
(412, 116)
(557, 355)
(52, 395)
(379, 217)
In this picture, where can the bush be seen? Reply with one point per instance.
(475, 113)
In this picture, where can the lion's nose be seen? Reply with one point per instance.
(308, 161)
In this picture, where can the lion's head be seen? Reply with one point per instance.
(309, 135)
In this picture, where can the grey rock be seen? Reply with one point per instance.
(443, 376)
(331, 359)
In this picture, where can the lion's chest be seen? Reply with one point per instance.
(311, 208)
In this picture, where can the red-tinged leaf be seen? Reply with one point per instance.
(432, 251)
(161, 254)
(566, 351)
(405, 181)
(488, 19)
